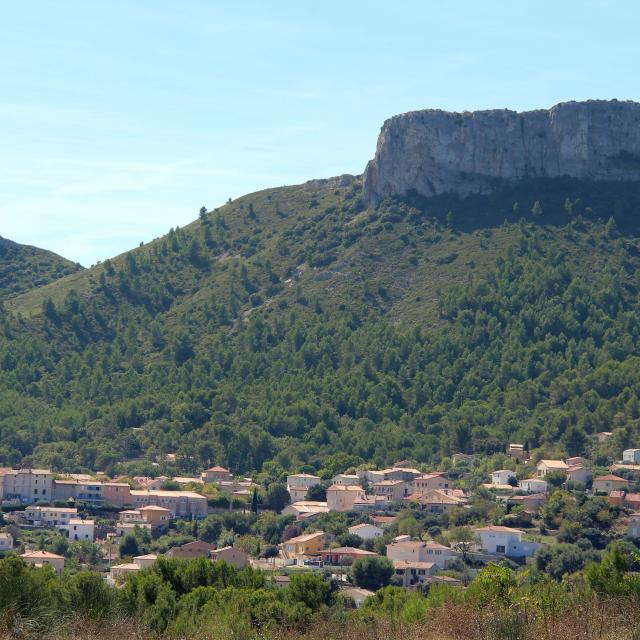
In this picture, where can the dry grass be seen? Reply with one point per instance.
(599, 619)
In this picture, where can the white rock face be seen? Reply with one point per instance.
(433, 151)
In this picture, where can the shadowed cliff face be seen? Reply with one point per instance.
(433, 152)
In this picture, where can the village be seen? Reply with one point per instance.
(406, 526)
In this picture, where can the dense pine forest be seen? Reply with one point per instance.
(295, 329)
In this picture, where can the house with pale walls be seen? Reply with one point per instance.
(391, 490)
(439, 501)
(531, 501)
(26, 486)
(347, 479)
(338, 555)
(607, 484)
(342, 497)
(550, 466)
(505, 541)
(190, 550)
(230, 555)
(49, 516)
(533, 485)
(79, 529)
(366, 531)
(426, 482)
(578, 473)
(181, 504)
(502, 476)
(631, 456)
(44, 559)
(6, 541)
(216, 474)
(305, 509)
(412, 573)
(357, 594)
(634, 525)
(120, 572)
(149, 517)
(306, 480)
(298, 493)
(575, 461)
(420, 551)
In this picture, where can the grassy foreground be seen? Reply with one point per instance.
(601, 618)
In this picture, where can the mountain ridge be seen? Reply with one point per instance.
(433, 151)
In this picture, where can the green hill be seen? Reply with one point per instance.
(23, 267)
(294, 328)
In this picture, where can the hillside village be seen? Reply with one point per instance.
(366, 528)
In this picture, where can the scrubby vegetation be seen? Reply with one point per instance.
(23, 268)
(294, 328)
(201, 599)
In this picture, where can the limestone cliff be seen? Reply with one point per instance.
(432, 151)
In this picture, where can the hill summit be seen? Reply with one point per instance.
(432, 152)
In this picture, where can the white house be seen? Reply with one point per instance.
(78, 529)
(634, 525)
(420, 551)
(302, 480)
(347, 479)
(549, 466)
(502, 476)
(505, 541)
(366, 531)
(631, 456)
(578, 473)
(533, 485)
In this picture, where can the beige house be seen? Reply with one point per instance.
(49, 516)
(413, 572)
(26, 486)
(216, 474)
(120, 572)
(341, 497)
(149, 517)
(6, 541)
(420, 551)
(230, 555)
(305, 509)
(391, 490)
(427, 482)
(346, 478)
(578, 473)
(549, 466)
(181, 504)
(439, 501)
(366, 531)
(195, 549)
(44, 559)
(609, 483)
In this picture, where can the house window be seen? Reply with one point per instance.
(500, 548)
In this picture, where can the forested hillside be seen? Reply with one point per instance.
(23, 267)
(294, 328)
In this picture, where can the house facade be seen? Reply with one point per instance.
(79, 529)
(505, 541)
(391, 490)
(216, 474)
(549, 466)
(49, 516)
(533, 485)
(181, 504)
(44, 559)
(26, 486)
(230, 555)
(607, 484)
(341, 497)
(420, 551)
(305, 546)
(366, 531)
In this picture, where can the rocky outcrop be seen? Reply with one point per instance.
(432, 152)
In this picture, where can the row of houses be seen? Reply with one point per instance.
(29, 486)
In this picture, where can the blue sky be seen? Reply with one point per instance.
(119, 120)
